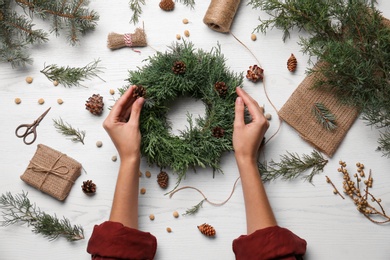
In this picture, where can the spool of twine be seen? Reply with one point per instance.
(136, 39)
(220, 14)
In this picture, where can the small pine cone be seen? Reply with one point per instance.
(292, 63)
(218, 132)
(167, 5)
(139, 91)
(95, 104)
(88, 187)
(255, 73)
(162, 179)
(207, 230)
(221, 88)
(179, 67)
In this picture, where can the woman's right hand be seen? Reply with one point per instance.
(247, 138)
(122, 125)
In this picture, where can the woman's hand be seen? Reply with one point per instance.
(248, 137)
(122, 125)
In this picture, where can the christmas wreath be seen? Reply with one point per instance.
(185, 71)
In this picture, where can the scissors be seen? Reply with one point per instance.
(30, 129)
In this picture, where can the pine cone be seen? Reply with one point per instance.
(179, 67)
(255, 73)
(221, 88)
(218, 132)
(95, 104)
(167, 5)
(207, 230)
(292, 63)
(88, 187)
(139, 91)
(162, 179)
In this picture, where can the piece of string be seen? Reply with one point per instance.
(265, 88)
(56, 171)
(204, 196)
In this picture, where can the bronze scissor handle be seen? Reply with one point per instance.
(29, 129)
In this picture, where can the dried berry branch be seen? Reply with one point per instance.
(335, 191)
(66, 129)
(19, 209)
(324, 116)
(362, 196)
(71, 76)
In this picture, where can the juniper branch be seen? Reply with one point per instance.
(291, 166)
(18, 209)
(71, 76)
(194, 209)
(135, 6)
(66, 129)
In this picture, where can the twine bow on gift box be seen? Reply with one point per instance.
(52, 170)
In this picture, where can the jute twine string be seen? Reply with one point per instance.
(220, 14)
(52, 170)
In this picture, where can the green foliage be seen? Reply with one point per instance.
(324, 116)
(17, 30)
(66, 129)
(353, 44)
(71, 76)
(136, 7)
(291, 166)
(18, 209)
(196, 145)
(194, 209)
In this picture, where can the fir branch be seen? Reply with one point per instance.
(66, 129)
(324, 116)
(384, 143)
(336, 32)
(135, 6)
(194, 209)
(71, 76)
(18, 209)
(189, 3)
(292, 165)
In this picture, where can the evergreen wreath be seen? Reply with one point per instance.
(185, 71)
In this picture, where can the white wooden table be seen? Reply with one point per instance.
(333, 228)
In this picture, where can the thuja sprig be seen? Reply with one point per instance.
(71, 76)
(292, 165)
(194, 209)
(18, 209)
(66, 129)
(366, 203)
(324, 116)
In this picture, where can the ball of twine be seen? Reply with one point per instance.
(220, 14)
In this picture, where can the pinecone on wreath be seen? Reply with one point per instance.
(255, 73)
(221, 88)
(162, 179)
(139, 91)
(88, 187)
(207, 230)
(218, 132)
(167, 5)
(95, 104)
(179, 67)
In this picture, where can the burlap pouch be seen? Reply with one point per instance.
(52, 172)
(298, 113)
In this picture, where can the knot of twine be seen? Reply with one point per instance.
(127, 39)
(60, 171)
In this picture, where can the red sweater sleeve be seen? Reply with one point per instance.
(112, 240)
(269, 243)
